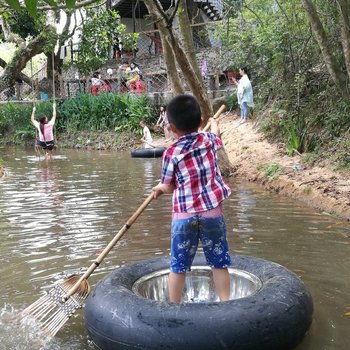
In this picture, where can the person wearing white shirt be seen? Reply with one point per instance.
(244, 94)
(146, 136)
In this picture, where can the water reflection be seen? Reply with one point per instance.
(56, 217)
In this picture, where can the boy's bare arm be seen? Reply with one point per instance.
(162, 188)
(214, 127)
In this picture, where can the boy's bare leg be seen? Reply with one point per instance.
(221, 279)
(176, 286)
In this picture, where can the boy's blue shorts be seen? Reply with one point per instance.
(185, 235)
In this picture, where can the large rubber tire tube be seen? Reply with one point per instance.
(274, 318)
(147, 152)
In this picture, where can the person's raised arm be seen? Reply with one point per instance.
(53, 119)
(235, 80)
(159, 119)
(32, 118)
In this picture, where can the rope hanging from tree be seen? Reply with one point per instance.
(36, 146)
(54, 93)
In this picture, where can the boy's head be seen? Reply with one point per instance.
(143, 123)
(184, 113)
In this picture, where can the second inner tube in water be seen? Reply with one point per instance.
(148, 152)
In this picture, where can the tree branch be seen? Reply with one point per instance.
(8, 34)
(172, 16)
(168, 19)
(339, 78)
(59, 6)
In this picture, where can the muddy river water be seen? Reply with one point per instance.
(57, 216)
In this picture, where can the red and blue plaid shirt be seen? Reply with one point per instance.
(191, 164)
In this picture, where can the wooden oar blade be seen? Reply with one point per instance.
(51, 311)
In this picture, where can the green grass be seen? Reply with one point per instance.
(271, 171)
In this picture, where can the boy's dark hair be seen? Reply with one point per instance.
(184, 112)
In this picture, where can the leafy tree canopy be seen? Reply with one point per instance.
(23, 24)
(101, 30)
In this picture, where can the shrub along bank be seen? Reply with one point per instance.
(104, 121)
(319, 128)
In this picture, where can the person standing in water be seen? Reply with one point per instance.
(146, 135)
(45, 130)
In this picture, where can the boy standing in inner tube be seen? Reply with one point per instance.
(190, 172)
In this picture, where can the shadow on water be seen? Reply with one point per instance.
(56, 217)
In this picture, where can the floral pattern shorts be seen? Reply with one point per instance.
(185, 236)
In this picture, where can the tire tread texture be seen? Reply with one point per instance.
(275, 318)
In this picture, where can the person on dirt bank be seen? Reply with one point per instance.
(164, 123)
(244, 94)
(45, 130)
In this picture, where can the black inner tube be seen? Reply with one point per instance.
(276, 317)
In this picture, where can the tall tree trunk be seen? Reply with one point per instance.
(164, 23)
(343, 9)
(187, 38)
(170, 63)
(338, 77)
(21, 76)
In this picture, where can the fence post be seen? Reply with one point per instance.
(18, 91)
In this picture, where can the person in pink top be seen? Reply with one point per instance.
(191, 173)
(45, 130)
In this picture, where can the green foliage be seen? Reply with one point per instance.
(14, 4)
(105, 112)
(309, 158)
(23, 24)
(271, 171)
(293, 141)
(31, 5)
(100, 32)
(129, 41)
(341, 153)
(231, 101)
(15, 121)
(273, 40)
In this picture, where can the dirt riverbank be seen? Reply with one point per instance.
(254, 159)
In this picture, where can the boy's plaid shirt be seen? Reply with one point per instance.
(191, 164)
